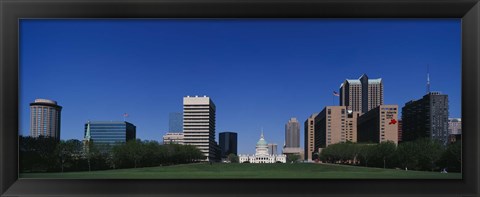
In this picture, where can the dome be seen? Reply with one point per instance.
(262, 141)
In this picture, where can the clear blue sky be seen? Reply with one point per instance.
(259, 73)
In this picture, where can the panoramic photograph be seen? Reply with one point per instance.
(240, 99)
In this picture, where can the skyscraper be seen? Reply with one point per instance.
(175, 122)
(454, 126)
(292, 133)
(309, 127)
(361, 95)
(109, 133)
(426, 118)
(199, 124)
(272, 148)
(228, 143)
(45, 118)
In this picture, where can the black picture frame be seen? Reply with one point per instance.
(13, 10)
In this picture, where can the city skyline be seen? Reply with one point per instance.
(100, 69)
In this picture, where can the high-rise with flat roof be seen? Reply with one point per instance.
(228, 143)
(378, 125)
(309, 127)
(109, 133)
(272, 148)
(292, 133)
(199, 124)
(362, 94)
(426, 118)
(335, 124)
(455, 126)
(175, 122)
(45, 118)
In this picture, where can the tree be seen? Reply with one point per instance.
(293, 158)
(452, 157)
(385, 151)
(366, 152)
(67, 152)
(407, 155)
(232, 158)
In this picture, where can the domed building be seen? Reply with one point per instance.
(261, 154)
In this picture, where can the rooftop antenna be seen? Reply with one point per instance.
(428, 79)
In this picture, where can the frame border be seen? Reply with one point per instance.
(13, 10)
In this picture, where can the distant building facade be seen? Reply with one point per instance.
(379, 125)
(173, 138)
(261, 154)
(109, 133)
(454, 126)
(292, 133)
(426, 118)
(45, 118)
(309, 135)
(199, 125)
(361, 95)
(228, 143)
(175, 122)
(335, 124)
(400, 131)
(272, 149)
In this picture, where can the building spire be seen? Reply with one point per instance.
(261, 135)
(428, 79)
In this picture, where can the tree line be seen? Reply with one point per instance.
(49, 155)
(422, 154)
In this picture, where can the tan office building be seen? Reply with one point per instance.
(379, 125)
(45, 118)
(173, 138)
(335, 124)
(309, 135)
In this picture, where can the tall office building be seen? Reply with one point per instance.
(400, 132)
(292, 133)
(361, 95)
(45, 118)
(309, 135)
(175, 122)
(228, 143)
(272, 149)
(199, 124)
(109, 133)
(335, 124)
(378, 125)
(426, 118)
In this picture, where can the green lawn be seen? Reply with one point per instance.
(249, 171)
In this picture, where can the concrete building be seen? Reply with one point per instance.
(175, 122)
(199, 125)
(261, 154)
(426, 118)
(109, 133)
(361, 95)
(378, 125)
(272, 149)
(400, 132)
(173, 138)
(309, 135)
(454, 126)
(292, 133)
(45, 118)
(335, 124)
(228, 143)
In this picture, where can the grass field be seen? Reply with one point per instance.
(249, 171)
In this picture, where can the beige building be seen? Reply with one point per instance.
(335, 124)
(309, 135)
(199, 124)
(173, 138)
(379, 125)
(45, 118)
(362, 94)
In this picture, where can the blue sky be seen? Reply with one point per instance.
(259, 73)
